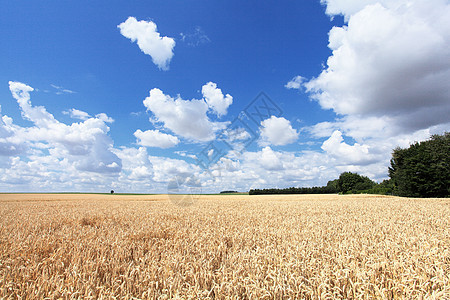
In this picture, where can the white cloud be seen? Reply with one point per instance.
(387, 88)
(185, 154)
(278, 131)
(104, 117)
(53, 156)
(269, 168)
(61, 90)
(345, 153)
(387, 80)
(155, 138)
(269, 159)
(37, 114)
(186, 118)
(9, 145)
(165, 169)
(77, 114)
(236, 135)
(347, 8)
(137, 170)
(379, 69)
(85, 145)
(215, 98)
(149, 40)
(295, 83)
(322, 129)
(372, 150)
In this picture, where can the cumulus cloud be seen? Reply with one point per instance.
(186, 118)
(236, 136)
(37, 114)
(345, 153)
(104, 117)
(9, 145)
(215, 98)
(347, 8)
(166, 169)
(378, 67)
(137, 170)
(269, 159)
(149, 40)
(155, 138)
(52, 156)
(86, 145)
(278, 131)
(386, 79)
(269, 168)
(77, 114)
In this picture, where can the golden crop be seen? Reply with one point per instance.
(250, 247)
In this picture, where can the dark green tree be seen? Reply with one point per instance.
(423, 169)
(353, 182)
(332, 186)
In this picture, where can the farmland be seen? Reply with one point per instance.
(224, 246)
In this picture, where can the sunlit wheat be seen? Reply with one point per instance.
(268, 247)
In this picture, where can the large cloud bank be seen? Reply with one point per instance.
(390, 62)
(386, 80)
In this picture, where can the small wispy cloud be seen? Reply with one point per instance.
(61, 90)
(185, 154)
(77, 114)
(195, 38)
(136, 113)
(295, 83)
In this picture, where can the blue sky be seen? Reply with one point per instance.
(126, 96)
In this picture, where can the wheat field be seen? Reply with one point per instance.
(224, 247)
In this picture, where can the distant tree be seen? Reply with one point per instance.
(346, 183)
(423, 169)
(386, 187)
(112, 192)
(349, 182)
(332, 186)
(293, 190)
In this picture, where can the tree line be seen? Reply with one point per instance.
(295, 190)
(422, 170)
